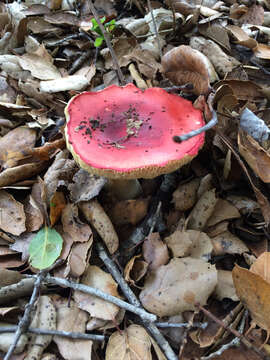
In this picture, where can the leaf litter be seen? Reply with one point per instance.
(188, 260)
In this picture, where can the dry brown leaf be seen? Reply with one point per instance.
(191, 243)
(185, 196)
(254, 15)
(71, 318)
(202, 210)
(183, 65)
(257, 158)
(12, 216)
(14, 143)
(99, 279)
(40, 64)
(79, 257)
(34, 216)
(134, 343)
(173, 288)
(224, 210)
(155, 251)
(227, 243)
(262, 51)
(243, 89)
(72, 225)
(7, 339)
(57, 204)
(242, 37)
(129, 211)
(95, 214)
(254, 292)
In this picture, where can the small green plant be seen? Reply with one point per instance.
(45, 248)
(109, 26)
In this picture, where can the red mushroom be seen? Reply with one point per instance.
(127, 133)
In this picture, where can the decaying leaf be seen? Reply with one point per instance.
(135, 269)
(12, 216)
(225, 287)
(97, 307)
(129, 211)
(228, 243)
(133, 343)
(155, 251)
(44, 318)
(7, 339)
(173, 288)
(185, 196)
(183, 65)
(223, 211)
(255, 155)
(71, 318)
(97, 217)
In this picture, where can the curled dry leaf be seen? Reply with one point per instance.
(44, 318)
(134, 343)
(95, 214)
(12, 216)
(71, 318)
(183, 65)
(257, 158)
(262, 266)
(173, 288)
(155, 251)
(135, 269)
(13, 144)
(79, 258)
(57, 204)
(97, 307)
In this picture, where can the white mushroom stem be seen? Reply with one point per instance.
(124, 189)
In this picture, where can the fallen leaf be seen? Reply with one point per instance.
(12, 216)
(225, 287)
(155, 251)
(183, 65)
(223, 210)
(227, 243)
(257, 158)
(185, 196)
(57, 204)
(78, 259)
(173, 288)
(135, 270)
(129, 211)
(71, 318)
(96, 307)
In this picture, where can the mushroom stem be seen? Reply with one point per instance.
(124, 189)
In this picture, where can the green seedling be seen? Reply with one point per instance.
(109, 26)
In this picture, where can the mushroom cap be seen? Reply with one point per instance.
(125, 132)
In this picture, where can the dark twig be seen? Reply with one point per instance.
(96, 292)
(193, 133)
(25, 320)
(68, 334)
(153, 330)
(235, 341)
(79, 61)
(245, 341)
(108, 43)
(155, 27)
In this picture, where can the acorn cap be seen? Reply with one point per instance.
(125, 132)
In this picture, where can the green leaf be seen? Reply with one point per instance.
(45, 248)
(98, 42)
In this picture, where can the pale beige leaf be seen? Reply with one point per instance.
(132, 344)
(155, 251)
(262, 266)
(225, 287)
(227, 243)
(224, 210)
(71, 318)
(185, 196)
(12, 216)
(99, 279)
(173, 288)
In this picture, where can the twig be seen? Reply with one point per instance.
(209, 125)
(155, 27)
(234, 342)
(68, 334)
(25, 320)
(181, 325)
(153, 330)
(234, 332)
(79, 61)
(96, 292)
(108, 43)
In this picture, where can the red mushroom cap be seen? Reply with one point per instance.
(125, 132)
